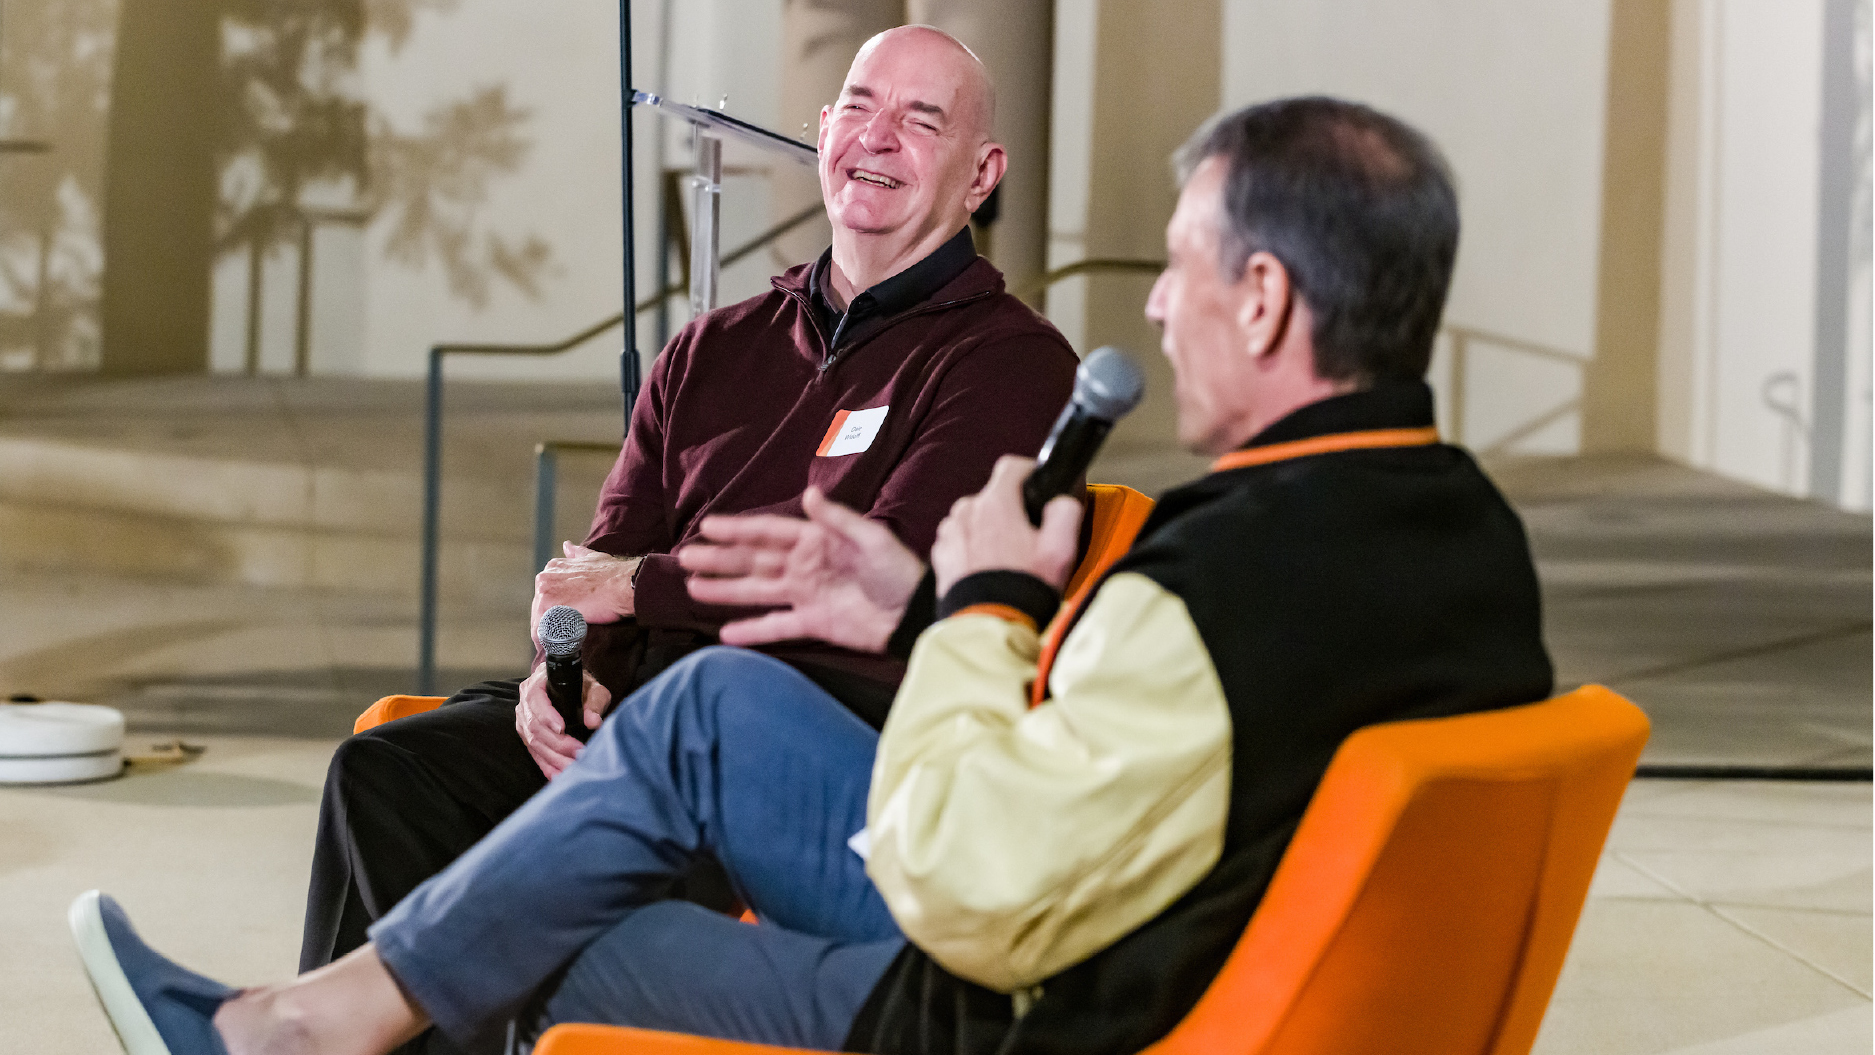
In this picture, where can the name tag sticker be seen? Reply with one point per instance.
(852, 432)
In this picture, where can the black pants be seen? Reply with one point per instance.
(404, 800)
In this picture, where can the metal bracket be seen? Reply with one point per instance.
(710, 128)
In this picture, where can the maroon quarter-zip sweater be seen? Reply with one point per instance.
(751, 403)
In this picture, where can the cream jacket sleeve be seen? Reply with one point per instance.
(1011, 843)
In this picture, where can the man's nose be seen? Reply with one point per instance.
(1155, 301)
(880, 133)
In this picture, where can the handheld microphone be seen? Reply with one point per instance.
(562, 631)
(1106, 386)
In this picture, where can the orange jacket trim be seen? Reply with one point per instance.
(1330, 444)
(1007, 613)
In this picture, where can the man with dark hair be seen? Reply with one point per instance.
(1361, 210)
(1063, 836)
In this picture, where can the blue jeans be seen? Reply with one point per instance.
(729, 753)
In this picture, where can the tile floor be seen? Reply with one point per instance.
(1727, 917)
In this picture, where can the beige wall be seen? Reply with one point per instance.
(1701, 128)
(1513, 92)
(376, 316)
(1131, 85)
(1740, 265)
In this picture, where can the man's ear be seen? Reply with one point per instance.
(820, 137)
(992, 162)
(1263, 303)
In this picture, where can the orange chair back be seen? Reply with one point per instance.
(1430, 893)
(1115, 517)
(391, 708)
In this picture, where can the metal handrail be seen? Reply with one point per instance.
(433, 475)
(1457, 377)
(546, 479)
(1093, 265)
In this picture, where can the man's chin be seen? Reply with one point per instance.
(870, 213)
(868, 225)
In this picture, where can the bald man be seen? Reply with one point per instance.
(890, 374)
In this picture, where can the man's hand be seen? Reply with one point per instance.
(844, 579)
(542, 729)
(988, 531)
(598, 584)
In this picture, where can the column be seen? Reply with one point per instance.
(1015, 39)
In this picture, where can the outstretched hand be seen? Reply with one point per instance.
(842, 578)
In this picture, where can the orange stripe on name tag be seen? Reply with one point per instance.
(833, 432)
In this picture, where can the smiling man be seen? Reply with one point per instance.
(890, 373)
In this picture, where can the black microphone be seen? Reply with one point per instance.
(1106, 387)
(562, 632)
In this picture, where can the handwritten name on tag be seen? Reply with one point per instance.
(852, 431)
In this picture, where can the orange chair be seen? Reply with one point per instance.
(1117, 514)
(1423, 908)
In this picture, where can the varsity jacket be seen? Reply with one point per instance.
(1071, 875)
(896, 408)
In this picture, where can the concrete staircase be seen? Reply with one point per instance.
(305, 485)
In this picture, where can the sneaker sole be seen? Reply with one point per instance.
(135, 1031)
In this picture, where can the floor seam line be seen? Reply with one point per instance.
(1788, 951)
(1719, 914)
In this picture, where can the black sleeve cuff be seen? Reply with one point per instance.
(1019, 590)
(920, 612)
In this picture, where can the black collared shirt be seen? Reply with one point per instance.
(909, 287)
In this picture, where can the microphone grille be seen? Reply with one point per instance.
(562, 630)
(1108, 384)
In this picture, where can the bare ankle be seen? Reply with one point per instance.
(265, 1020)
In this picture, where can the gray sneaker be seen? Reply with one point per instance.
(156, 1006)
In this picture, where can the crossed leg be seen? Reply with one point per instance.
(729, 753)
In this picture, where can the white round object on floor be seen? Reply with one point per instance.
(59, 743)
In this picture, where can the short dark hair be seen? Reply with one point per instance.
(1361, 211)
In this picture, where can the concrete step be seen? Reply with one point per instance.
(208, 482)
(230, 490)
(183, 549)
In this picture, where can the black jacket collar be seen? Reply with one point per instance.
(909, 287)
(1389, 405)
